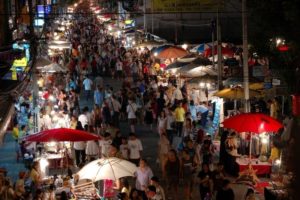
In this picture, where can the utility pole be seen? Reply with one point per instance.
(245, 55)
(145, 20)
(213, 29)
(176, 34)
(33, 46)
(152, 23)
(119, 13)
(219, 50)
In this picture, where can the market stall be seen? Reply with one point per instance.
(254, 123)
(59, 153)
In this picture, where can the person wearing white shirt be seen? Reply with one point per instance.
(92, 149)
(131, 109)
(124, 148)
(135, 148)
(83, 118)
(79, 148)
(143, 176)
(87, 83)
(177, 95)
(105, 145)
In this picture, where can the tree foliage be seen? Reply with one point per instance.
(270, 19)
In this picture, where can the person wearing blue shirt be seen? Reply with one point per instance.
(72, 84)
(204, 113)
(193, 110)
(98, 96)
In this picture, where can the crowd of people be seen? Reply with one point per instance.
(185, 154)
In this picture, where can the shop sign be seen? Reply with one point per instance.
(260, 71)
(275, 82)
(267, 85)
(129, 23)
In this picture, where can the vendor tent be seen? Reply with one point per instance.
(149, 44)
(239, 81)
(236, 93)
(172, 52)
(199, 67)
(175, 66)
(160, 48)
(201, 48)
(52, 68)
(191, 70)
(202, 82)
(226, 51)
(188, 58)
(256, 123)
(42, 61)
(200, 60)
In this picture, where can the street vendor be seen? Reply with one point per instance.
(275, 154)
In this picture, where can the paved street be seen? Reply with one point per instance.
(149, 140)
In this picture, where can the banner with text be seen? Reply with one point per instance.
(187, 6)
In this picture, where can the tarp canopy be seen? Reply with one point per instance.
(175, 66)
(193, 70)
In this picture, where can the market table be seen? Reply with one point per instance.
(275, 194)
(55, 161)
(262, 168)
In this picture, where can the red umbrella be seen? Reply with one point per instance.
(60, 135)
(252, 122)
(224, 50)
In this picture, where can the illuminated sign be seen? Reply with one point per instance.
(23, 46)
(129, 23)
(43, 10)
(40, 10)
(39, 22)
(20, 62)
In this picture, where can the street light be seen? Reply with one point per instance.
(184, 46)
(278, 41)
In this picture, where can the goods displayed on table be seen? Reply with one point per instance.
(261, 168)
(85, 191)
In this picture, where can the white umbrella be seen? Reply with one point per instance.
(107, 168)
